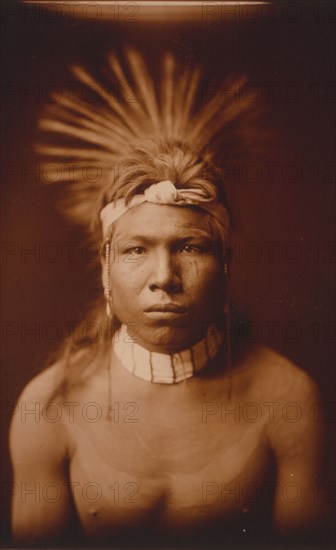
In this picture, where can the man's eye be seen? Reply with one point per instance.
(192, 248)
(136, 250)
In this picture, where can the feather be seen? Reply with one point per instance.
(102, 127)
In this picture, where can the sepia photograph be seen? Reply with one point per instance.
(168, 258)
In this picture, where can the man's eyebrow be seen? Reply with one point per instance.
(150, 239)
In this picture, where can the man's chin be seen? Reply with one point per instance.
(167, 338)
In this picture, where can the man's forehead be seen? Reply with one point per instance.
(152, 219)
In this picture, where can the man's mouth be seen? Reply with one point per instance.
(168, 307)
(165, 311)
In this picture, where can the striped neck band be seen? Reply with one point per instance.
(162, 368)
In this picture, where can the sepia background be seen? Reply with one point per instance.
(283, 238)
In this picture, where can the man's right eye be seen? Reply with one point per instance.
(136, 250)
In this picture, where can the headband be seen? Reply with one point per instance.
(165, 192)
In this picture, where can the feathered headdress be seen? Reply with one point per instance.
(93, 133)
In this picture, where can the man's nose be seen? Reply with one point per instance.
(165, 273)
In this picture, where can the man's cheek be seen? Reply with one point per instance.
(120, 301)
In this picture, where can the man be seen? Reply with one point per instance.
(155, 432)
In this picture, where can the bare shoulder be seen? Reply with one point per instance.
(34, 424)
(293, 403)
(42, 386)
(277, 378)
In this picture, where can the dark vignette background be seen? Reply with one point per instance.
(36, 52)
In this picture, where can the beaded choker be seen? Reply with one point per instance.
(162, 368)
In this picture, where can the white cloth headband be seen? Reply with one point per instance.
(165, 192)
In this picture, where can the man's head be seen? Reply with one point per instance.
(165, 276)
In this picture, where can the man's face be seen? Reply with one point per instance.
(166, 279)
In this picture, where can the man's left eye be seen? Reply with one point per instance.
(189, 248)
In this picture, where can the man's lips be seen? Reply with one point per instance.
(166, 308)
(165, 312)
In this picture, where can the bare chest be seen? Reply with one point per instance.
(181, 469)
